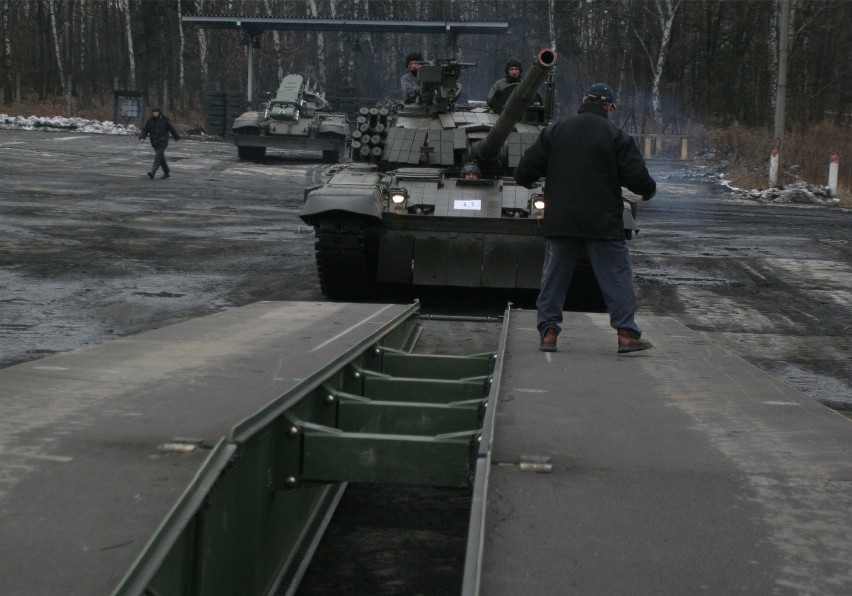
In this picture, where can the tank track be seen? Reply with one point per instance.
(347, 253)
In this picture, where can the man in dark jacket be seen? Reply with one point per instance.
(409, 82)
(159, 127)
(586, 160)
(500, 91)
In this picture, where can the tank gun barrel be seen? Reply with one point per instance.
(488, 149)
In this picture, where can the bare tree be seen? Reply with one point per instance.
(128, 31)
(203, 51)
(313, 12)
(51, 6)
(7, 54)
(181, 46)
(663, 13)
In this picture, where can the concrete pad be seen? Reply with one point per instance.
(677, 470)
(84, 481)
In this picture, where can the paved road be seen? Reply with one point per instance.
(91, 249)
(771, 282)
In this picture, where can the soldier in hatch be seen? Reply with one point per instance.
(410, 84)
(500, 90)
(471, 172)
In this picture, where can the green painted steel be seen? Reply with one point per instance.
(481, 470)
(331, 455)
(435, 366)
(429, 390)
(376, 413)
(358, 414)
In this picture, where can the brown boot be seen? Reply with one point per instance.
(548, 340)
(628, 343)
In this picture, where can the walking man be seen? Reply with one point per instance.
(585, 160)
(159, 127)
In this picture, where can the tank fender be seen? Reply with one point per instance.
(249, 119)
(360, 201)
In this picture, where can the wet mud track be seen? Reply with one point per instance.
(773, 283)
(91, 248)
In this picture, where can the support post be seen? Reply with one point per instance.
(684, 148)
(773, 168)
(833, 171)
(250, 59)
(781, 85)
(69, 82)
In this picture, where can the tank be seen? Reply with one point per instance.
(401, 212)
(298, 117)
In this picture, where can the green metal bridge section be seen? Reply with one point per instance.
(378, 413)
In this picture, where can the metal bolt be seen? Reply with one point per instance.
(294, 430)
(329, 398)
(478, 438)
(356, 375)
(291, 481)
(378, 351)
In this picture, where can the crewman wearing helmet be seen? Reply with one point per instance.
(471, 172)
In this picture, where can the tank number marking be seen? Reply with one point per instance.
(470, 205)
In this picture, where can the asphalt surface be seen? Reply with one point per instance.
(773, 283)
(91, 249)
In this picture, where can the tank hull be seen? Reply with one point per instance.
(402, 214)
(296, 119)
(461, 252)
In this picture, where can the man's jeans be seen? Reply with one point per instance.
(610, 262)
(160, 160)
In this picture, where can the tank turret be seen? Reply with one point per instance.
(439, 85)
(488, 150)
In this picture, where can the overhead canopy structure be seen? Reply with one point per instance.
(253, 27)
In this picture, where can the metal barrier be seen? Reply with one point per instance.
(377, 413)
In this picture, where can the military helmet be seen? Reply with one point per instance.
(513, 62)
(471, 168)
(413, 56)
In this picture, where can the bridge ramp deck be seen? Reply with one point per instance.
(82, 481)
(678, 470)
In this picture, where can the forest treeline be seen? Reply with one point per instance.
(669, 60)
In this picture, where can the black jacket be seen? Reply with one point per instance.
(159, 129)
(586, 160)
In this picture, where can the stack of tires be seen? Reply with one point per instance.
(215, 114)
(235, 105)
(220, 109)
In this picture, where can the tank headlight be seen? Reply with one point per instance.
(398, 196)
(538, 203)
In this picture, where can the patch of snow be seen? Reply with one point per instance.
(798, 192)
(59, 123)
